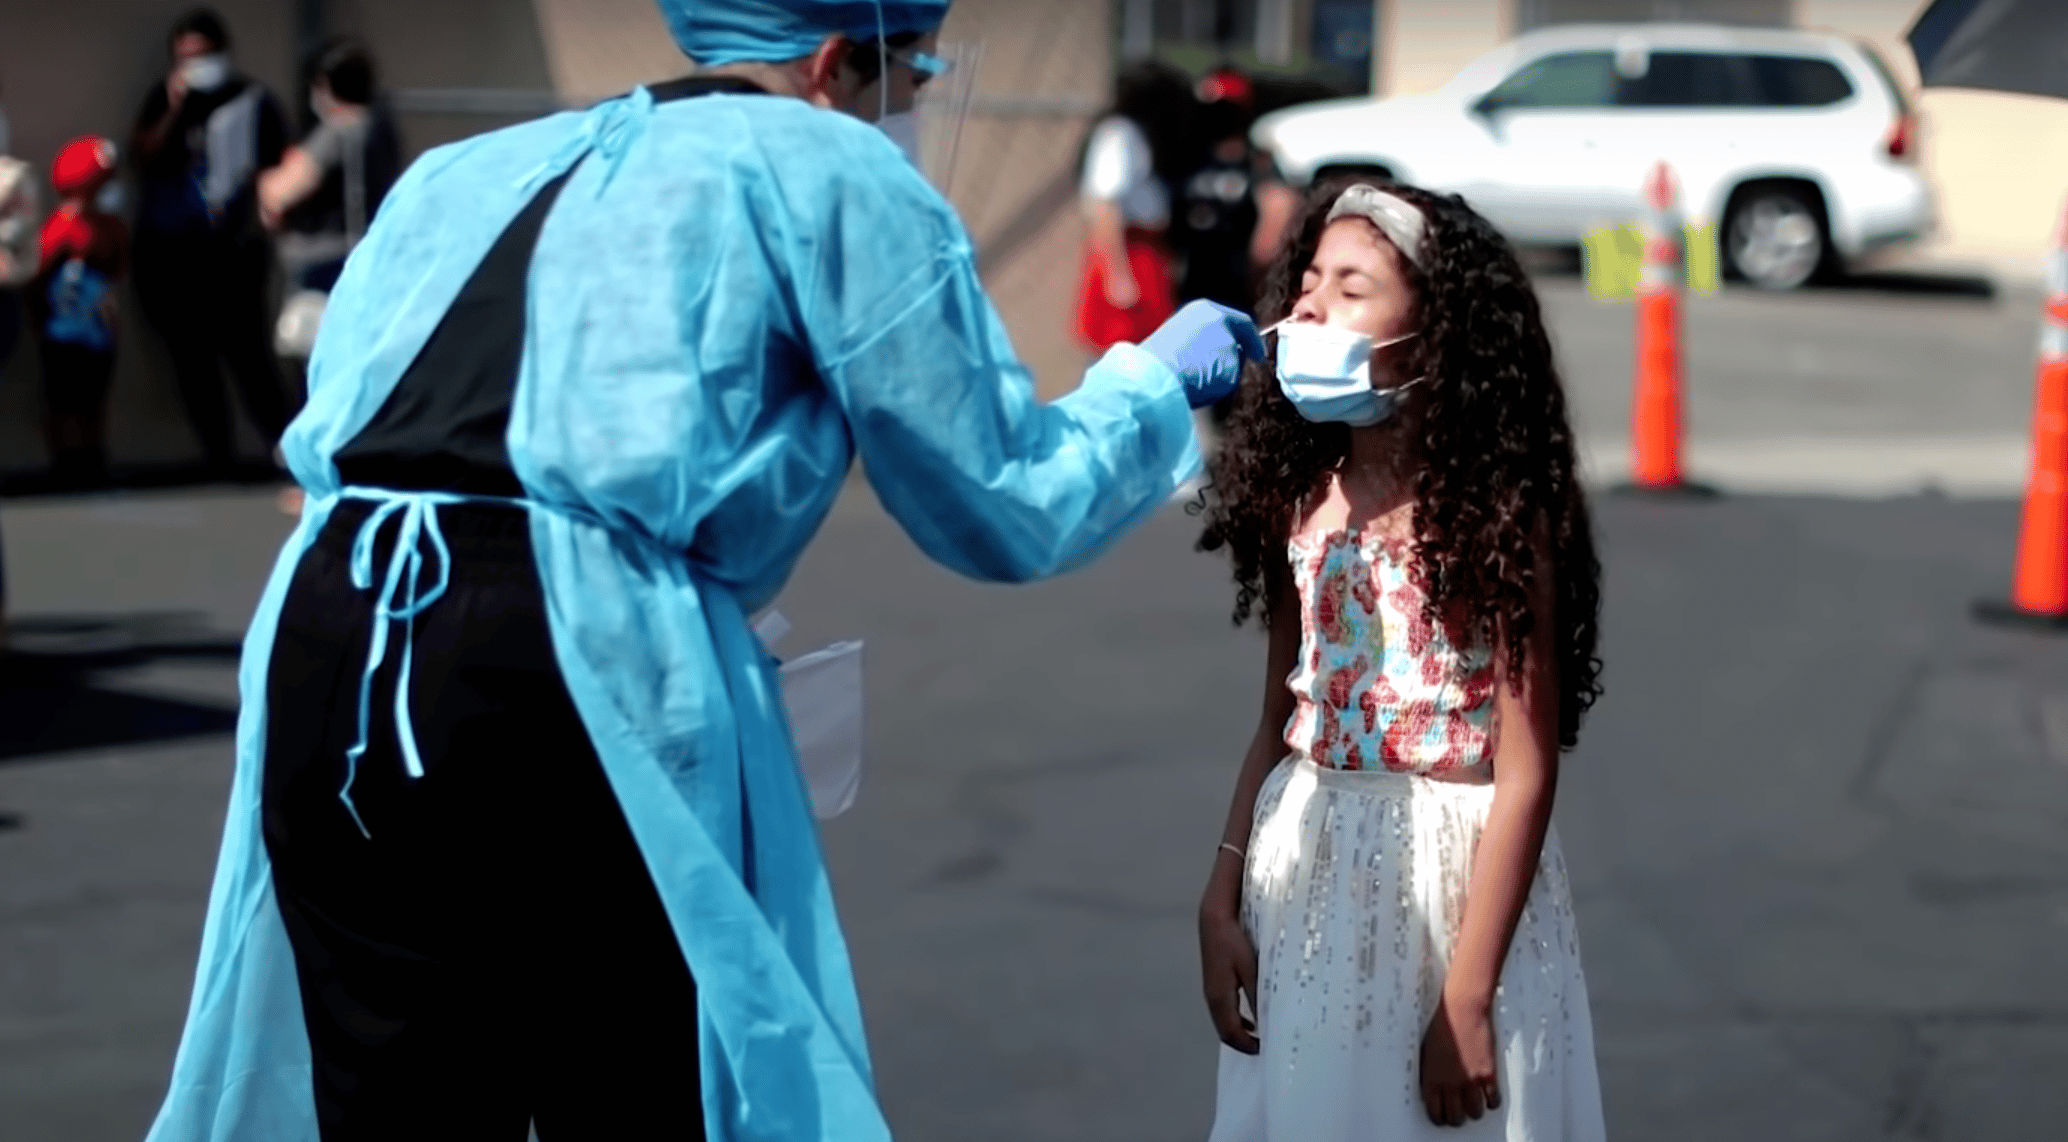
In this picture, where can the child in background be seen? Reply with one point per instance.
(73, 300)
(1403, 510)
(1131, 159)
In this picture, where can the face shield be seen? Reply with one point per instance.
(921, 100)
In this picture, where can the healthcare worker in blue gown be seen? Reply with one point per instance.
(517, 835)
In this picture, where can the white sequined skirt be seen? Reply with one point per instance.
(1354, 889)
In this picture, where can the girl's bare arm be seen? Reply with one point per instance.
(1459, 1059)
(1525, 781)
(1228, 961)
(1266, 746)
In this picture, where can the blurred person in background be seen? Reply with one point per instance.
(20, 213)
(1278, 206)
(1277, 201)
(73, 304)
(18, 216)
(1134, 155)
(1214, 223)
(203, 263)
(517, 833)
(324, 193)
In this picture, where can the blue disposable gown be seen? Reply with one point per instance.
(733, 296)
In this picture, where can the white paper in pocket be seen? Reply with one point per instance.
(822, 693)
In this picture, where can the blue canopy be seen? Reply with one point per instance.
(714, 32)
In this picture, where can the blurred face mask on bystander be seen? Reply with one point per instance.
(200, 63)
(206, 73)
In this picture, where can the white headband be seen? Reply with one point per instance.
(1396, 217)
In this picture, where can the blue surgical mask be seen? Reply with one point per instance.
(206, 73)
(903, 129)
(1325, 371)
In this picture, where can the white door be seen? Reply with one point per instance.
(1693, 110)
(1546, 122)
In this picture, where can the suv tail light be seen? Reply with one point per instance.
(1902, 139)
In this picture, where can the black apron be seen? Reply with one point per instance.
(490, 951)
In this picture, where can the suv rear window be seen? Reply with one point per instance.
(1688, 79)
(1797, 81)
(1734, 79)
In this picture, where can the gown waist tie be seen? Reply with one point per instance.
(403, 596)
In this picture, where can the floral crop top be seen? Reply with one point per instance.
(1377, 686)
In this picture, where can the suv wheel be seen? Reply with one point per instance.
(1775, 237)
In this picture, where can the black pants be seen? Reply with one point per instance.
(208, 298)
(10, 324)
(75, 407)
(495, 952)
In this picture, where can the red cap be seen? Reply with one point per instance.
(84, 163)
(1226, 83)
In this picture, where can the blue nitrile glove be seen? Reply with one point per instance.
(1205, 345)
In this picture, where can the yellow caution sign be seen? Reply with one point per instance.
(1704, 259)
(1614, 260)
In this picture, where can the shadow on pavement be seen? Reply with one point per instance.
(1917, 283)
(54, 693)
(24, 483)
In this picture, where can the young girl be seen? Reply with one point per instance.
(84, 252)
(1402, 508)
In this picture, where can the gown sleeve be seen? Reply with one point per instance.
(984, 477)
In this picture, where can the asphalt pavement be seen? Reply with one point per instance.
(1815, 828)
(1890, 384)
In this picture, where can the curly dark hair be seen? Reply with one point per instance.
(1498, 472)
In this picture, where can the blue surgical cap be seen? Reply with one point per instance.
(714, 32)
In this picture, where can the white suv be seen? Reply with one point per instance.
(1801, 146)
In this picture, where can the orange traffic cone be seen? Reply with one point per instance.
(1655, 421)
(2039, 587)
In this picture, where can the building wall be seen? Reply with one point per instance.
(448, 44)
(84, 67)
(1999, 162)
(598, 48)
(1046, 70)
(1533, 13)
(1423, 43)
